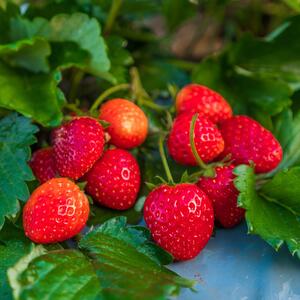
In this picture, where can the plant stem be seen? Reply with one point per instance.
(75, 81)
(108, 92)
(137, 87)
(199, 161)
(73, 107)
(164, 159)
(112, 15)
(150, 104)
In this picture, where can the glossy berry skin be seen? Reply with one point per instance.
(200, 99)
(180, 219)
(208, 140)
(128, 124)
(43, 165)
(77, 145)
(56, 211)
(246, 140)
(115, 179)
(223, 194)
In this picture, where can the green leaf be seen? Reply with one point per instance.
(10, 252)
(15, 137)
(247, 93)
(273, 223)
(287, 130)
(294, 4)
(21, 266)
(284, 189)
(60, 274)
(271, 57)
(31, 54)
(119, 57)
(64, 28)
(33, 95)
(13, 246)
(128, 265)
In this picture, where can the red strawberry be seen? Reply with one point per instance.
(114, 181)
(180, 219)
(56, 211)
(200, 99)
(246, 140)
(128, 123)
(208, 140)
(77, 145)
(223, 194)
(43, 165)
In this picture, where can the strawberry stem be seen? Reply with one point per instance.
(112, 15)
(108, 92)
(164, 159)
(199, 161)
(75, 82)
(138, 90)
(74, 108)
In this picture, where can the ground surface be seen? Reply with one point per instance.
(238, 266)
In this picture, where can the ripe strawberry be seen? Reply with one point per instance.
(128, 123)
(77, 145)
(180, 219)
(208, 140)
(43, 165)
(223, 194)
(114, 181)
(200, 99)
(56, 211)
(246, 140)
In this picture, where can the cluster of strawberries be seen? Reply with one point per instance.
(181, 217)
(83, 150)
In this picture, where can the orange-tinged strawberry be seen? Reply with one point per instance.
(56, 211)
(128, 124)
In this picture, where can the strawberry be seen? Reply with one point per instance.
(43, 165)
(77, 145)
(223, 194)
(200, 99)
(180, 219)
(208, 140)
(128, 123)
(246, 140)
(114, 181)
(56, 211)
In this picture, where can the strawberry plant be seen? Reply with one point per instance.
(131, 131)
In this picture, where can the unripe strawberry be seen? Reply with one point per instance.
(114, 181)
(43, 165)
(223, 194)
(56, 211)
(246, 140)
(195, 98)
(208, 140)
(128, 124)
(77, 145)
(180, 219)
